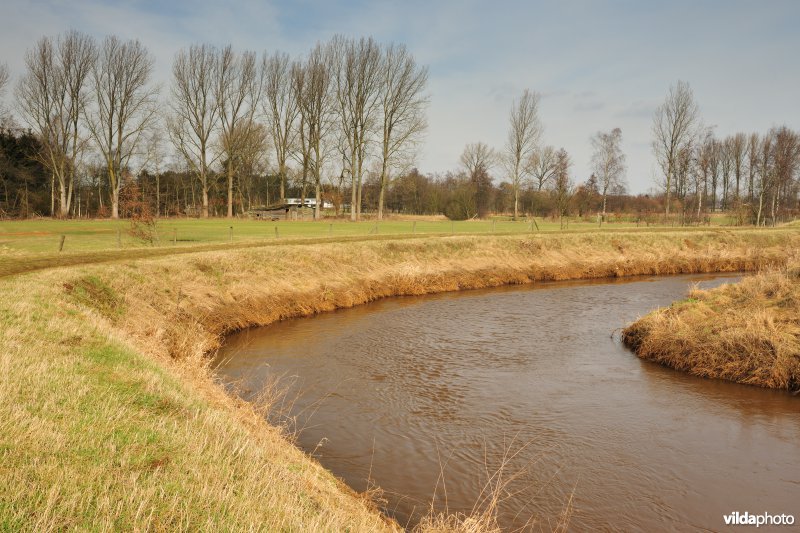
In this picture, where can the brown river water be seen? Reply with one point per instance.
(436, 398)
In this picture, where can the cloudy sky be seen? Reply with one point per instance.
(597, 64)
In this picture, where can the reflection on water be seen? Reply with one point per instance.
(426, 396)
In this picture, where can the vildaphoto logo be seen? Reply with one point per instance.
(764, 519)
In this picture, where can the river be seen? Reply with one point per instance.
(527, 390)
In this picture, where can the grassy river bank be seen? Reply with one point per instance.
(110, 418)
(747, 332)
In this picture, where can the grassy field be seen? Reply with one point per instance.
(748, 332)
(110, 418)
(29, 245)
(44, 235)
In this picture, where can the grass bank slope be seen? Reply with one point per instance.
(748, 332)
(109, 418)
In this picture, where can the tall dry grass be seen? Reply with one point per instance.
(110, 419)
(748, 332)
(182, 307)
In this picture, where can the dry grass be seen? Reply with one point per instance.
(181, 307)
(748, 332)
(109, 418)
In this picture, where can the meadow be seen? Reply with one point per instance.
(82, 235)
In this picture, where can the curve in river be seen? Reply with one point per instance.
(426, 396)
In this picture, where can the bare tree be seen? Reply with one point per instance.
(765, 172)
(478, 159)
(238, 91)
(51, 98)
(738, 148)
(562, 187)
(542, 165)
(477, 155)
(195, 118)
(356, 66)
(403, 104)
(785, 163)
(280, 106)
(726, 167)
(124, 106)
(753, 154)
(674, 128)
(707, 163)
(302, 149)
(153, 161)
(316, 103)
(250, 160)
(608, 161)
(523, 136)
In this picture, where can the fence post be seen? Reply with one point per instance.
(493, 224)
(330, 229)
(61, 243)
(174, 236)
(276, 232)
(230, 234)
(119, 238)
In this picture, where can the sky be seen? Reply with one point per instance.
(596, 64)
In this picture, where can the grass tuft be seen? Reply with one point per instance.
(93, 292)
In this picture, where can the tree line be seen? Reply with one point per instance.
(754, 175)
(96, 122)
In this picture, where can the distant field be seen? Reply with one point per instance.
(44, 236)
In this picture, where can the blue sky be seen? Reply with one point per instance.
(598, 64)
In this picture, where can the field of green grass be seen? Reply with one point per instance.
(44, 236)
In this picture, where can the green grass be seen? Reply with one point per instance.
(43, 236)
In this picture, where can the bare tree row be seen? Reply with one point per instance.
(757, 176)
(347, 104)
(529, 164)
(77, 95)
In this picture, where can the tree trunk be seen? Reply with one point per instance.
(774, 203)
(699, 203)
(669, 191)
(282, 177)
(760, 207)
(63, 210)
(115, 203)
(70, 194)
(318, 206)
(358, 199)
(230, 189)
(382, 195)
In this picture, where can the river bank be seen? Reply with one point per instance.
(110, 418)
(747, 332)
